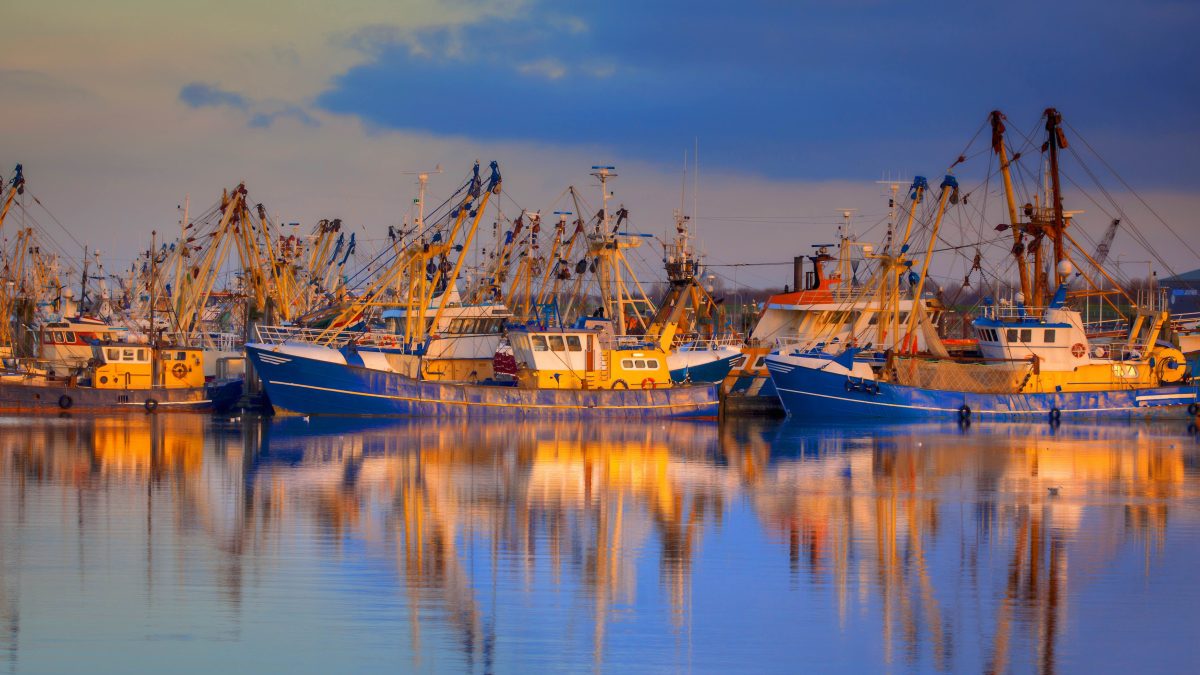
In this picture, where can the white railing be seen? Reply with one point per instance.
(709, 345)
(1185, 321)
(279, 334)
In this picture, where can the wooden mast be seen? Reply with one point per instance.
(1056, 140)
(1018, 250)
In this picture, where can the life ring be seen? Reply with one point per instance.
(622, 384)
(648, 383)
(179, 370)
(65, 402)
(1078, 350)
(151, 405)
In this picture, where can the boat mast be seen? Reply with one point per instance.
(1018, 250)
(1056, 140)
(949, 187)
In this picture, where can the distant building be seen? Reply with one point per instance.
(1185, 291)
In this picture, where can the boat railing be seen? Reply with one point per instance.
(1114, 326)
(805, 344)
(225, 342)
(708, 345)
(1185, 321)
(1007, 311)
(281, 334)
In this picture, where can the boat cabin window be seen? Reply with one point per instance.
(557, 344)
(111, 354)
(1050, 336)
(126, 354)
(1026, 335)
(759, 362)
(573, 343)
(539, 343)
(57, 337)
(181, 356)
(652, 364)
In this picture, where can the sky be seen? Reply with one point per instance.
(120, 109)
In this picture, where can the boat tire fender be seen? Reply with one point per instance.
(151, 405)
(620, 384)
(65, 402)
(964, 412)
(1055, 414)
(1193, 409)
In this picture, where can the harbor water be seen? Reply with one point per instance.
(182, 543)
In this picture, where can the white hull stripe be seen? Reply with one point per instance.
(1163, 397)
(414, 399)
(973, 412)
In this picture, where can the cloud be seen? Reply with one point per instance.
(807, 89)
(200, 95)
(266, 119)
(551, 69)
(261, 114)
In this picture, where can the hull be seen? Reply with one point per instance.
(702, 366)
(749, 390)
(319, 387)
(216, 397)
(808, 393)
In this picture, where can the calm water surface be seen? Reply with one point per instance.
(182, 544)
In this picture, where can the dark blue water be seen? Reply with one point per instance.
(179, 544)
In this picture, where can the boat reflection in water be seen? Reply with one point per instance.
(498, 546)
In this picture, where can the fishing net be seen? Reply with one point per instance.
(1000, 378)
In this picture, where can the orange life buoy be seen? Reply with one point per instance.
(1078, 350)
(179, 370)
(648, 383)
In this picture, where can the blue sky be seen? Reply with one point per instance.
(791, 89)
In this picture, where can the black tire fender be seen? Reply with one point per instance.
(151, 405)
(65, 402)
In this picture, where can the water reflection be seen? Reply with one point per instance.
(502, 546)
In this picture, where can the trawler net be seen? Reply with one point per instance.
(980, 378)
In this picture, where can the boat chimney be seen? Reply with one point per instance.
(797, 273)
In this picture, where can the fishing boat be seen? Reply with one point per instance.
(121, 376)
(580, 371)
(1035, 360)
(827, 309)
